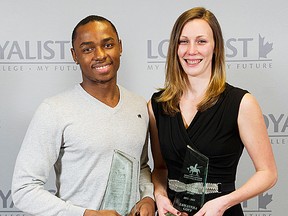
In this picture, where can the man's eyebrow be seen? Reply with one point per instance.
(86, 43)
(108, 39)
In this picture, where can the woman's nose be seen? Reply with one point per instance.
(192, 49)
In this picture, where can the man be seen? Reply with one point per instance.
(77, 132)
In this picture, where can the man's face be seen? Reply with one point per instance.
(97, 50)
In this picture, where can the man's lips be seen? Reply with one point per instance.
(101, 67)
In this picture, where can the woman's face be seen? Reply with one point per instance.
(196, 48)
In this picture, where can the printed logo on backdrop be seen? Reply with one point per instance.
(7, 207)
(242, 53)
(277, 126)
(258, 206)
(36, 56)
(248, 53)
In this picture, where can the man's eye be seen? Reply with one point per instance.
(109, 45)
(87, 50)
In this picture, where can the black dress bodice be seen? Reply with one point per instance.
(213, 132)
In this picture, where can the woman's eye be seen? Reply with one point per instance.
(202, 41)
(183, 42)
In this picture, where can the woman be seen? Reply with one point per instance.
(198, 108)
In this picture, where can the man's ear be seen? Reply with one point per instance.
(120, 45)
(74, 55)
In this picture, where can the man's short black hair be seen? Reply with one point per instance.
(92, 18)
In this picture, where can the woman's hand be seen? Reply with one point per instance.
(165, 206)
(215, 207)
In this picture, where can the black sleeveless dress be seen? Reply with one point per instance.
(213, 132)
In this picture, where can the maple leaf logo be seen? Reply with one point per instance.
(263, 201)
(264, 49)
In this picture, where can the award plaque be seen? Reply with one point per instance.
(191, 186)
(122, 186)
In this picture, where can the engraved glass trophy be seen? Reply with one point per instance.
(122, 186)
(191, 186)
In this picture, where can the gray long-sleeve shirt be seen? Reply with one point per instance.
(78, 134)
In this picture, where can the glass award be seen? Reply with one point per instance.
(191, 186)
(122, 187)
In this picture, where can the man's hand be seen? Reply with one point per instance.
(145, 207)
(89, 212)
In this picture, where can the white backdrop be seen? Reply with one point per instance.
(35, 63)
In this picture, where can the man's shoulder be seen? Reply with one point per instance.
(62, 97)
(131, 95)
